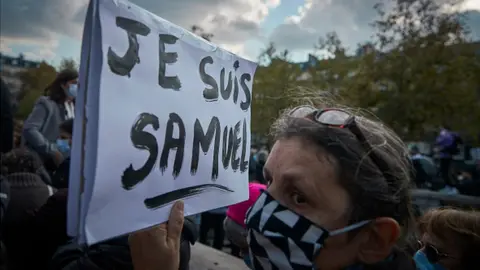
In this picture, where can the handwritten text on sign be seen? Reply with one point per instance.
(229, 143)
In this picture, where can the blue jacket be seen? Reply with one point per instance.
(445, 140)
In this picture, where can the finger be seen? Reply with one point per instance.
(175, 222)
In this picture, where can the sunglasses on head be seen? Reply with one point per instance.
(432, 253)
(341, 119)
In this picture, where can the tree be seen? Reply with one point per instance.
(273, 84)
(68, 63)
(333, 74)
(332, 45)
(35, 80)
(424, 74)
(200, 32)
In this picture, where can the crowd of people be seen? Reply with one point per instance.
(332, 193)
(439, 170)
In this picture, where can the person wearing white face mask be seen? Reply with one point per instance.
(40, 130)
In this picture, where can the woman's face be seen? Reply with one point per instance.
(68, 83)
(451, 260)
(303, 179)
(66, 136)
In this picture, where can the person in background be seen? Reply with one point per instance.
(450, 240)
(40, 130)
(420, 163)
(48, 228)
(213, 219)
(28, 192)
(468, 182)
(447, 144)
(4, 196)
(64, 144)
(4, 199)
(234, 224)
(6, 143)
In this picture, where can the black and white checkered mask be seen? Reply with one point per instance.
(281, 239)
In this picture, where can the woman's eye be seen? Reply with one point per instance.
(298, 198)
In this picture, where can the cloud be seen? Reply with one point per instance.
(350, 19)
(39, 22)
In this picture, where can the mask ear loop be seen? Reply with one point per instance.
(349, 228)
(352, 227)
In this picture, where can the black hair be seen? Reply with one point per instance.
(67, 126)
(55, 90)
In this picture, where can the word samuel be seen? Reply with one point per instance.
(232, 138)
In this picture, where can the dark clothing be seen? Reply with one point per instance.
(445, 164)
(4, 196)
(4, 199)
(420, 176)
(6, 143)
(3, 257)
(110, 255)
(60, 176)
(400, 260)
(447, 142)
(27, 194)
(215, 222)
(49, 230)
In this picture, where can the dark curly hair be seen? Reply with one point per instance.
(20, 160)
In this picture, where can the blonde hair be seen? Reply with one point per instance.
(458, 228)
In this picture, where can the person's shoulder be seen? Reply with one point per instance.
(44, 100)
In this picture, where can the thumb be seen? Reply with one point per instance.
(175, 222)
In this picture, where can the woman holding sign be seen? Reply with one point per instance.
(337, 197)
(41, 129)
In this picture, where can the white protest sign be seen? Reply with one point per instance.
(173, 123)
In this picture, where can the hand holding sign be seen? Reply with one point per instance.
(158, 247)
(166, 117)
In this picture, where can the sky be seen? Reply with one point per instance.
(52, 29)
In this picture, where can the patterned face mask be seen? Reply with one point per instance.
(279, 238)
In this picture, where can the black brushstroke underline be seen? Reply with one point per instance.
(169, 197)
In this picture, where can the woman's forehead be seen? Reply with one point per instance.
(295, 157)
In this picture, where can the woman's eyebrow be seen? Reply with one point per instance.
(297, 180)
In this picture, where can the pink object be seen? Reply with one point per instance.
(238, 211)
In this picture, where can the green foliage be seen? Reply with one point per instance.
(272, 86)
(423, 73)
(68, 63)
(35, 80)
(426, 71)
